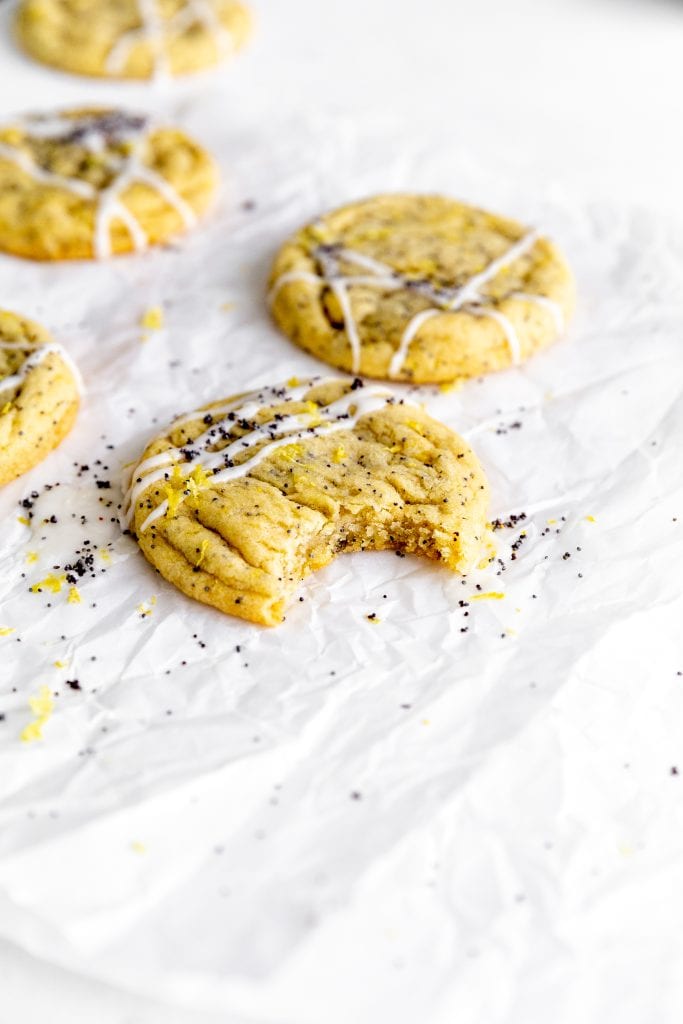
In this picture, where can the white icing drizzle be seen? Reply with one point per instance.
(23, 161)
(34, 358)
(91, 132)
(552, 307)
(508, 327)
(154, 30)
(467, 297)
(281, 430)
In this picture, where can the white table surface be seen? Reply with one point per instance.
(587, 93)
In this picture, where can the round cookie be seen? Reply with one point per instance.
(39, 395)
(420, 288)
(237, 502)
(132, 38)
(85, 184)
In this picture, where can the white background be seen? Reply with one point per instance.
(538, 879)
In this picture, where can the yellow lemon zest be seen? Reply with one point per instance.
(551, 522)
(174, 499)
(153, 318)
(293, 382)
(6, 408)
(32, 731)
(104, 555)
(292, 451)
(13, 136)
(52, 583)
(339, 454)
(417, 427)
(201, 476)
(42, 706)
(61, 664)
(31, 556)
(491, 595)
(23, 520)
(6, 630)
(146, 609)
(451, 385)
(74, 596)
(590, 519)
(202, 553)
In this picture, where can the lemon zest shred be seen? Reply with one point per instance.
(293, 382)
(490, 595)
(447, 386)
(51, 582)
(42, 705)
(74, 596)
(202, 553)
(145, 610)
(174, 498)
(6, 408)
(31, 557)
(153, 318)
(61, 664)
(292, 451)
(201, 476)
(590, 519)
(6, 630)
(339, 454)
(23, 520)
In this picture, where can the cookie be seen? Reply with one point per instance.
(39, 395)
(132, 38)
(86, 184)
(421, 289)
(237, 502)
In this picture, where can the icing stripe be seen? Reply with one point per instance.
(399, 357)
(279, 431)
(109, 205)
(385, 277)
(469, 292)
(509, 331)
(344, 301)
(25, 163)
(35, 358)
(155, 31)
(552, 307)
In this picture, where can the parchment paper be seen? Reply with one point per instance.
(335, 820)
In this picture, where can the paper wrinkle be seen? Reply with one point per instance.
(343, 815)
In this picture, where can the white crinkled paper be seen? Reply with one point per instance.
(335, 820)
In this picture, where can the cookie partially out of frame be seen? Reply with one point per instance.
(132, 38)
(89, 183)
(420, 288)
(39, 395)
(237, 502)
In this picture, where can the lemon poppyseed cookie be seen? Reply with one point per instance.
(39, 395)
(420, 288)
(86, 184)
(237, 502)
(132, 38)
